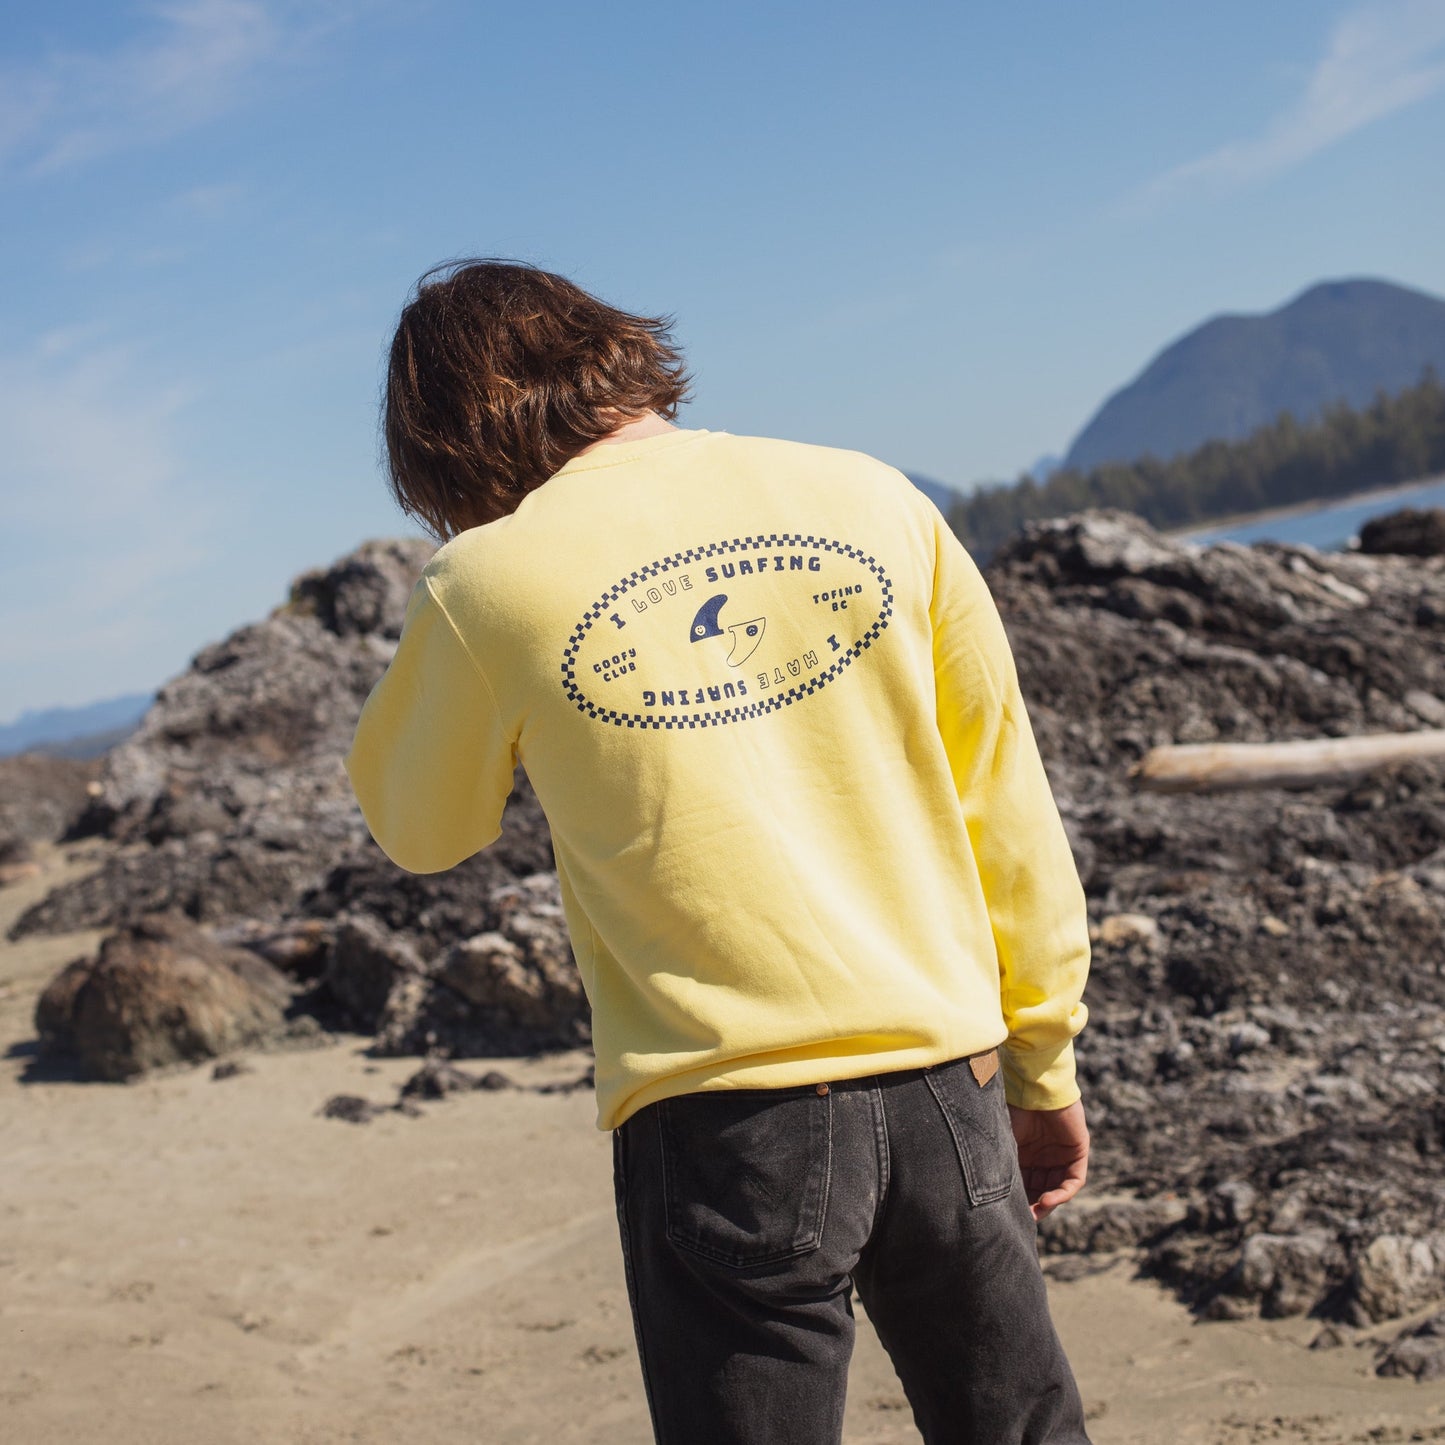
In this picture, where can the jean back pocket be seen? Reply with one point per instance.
(746, 1172)
(978, 1120)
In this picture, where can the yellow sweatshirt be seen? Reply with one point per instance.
(766, 702)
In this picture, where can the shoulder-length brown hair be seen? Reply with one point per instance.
(499, 374)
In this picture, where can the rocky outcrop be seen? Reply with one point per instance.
(160, 992)
(230, 799)
(230, 806)
(1265, 1061)
(1408, 532)
(230, 803)
(1268, 985)
(40, 798)
(510, 987)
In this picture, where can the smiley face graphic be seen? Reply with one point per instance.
(746, 636)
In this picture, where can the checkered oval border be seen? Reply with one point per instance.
(718, 716)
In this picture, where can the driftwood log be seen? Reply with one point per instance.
(1217, 767)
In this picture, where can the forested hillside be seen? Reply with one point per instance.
(1393, 439)
(1339, 341)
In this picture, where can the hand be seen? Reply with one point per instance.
(1053, 1149)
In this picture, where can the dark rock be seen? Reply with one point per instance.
(1418, 1353)
(587, 1079)
(1275, 1055)
(436, 1079)
(366, 963)
(41, 797)
(207, 880)
(1408, 533)
(1091, 1226)
(230, 800)
(1232, 1205)
(351, 1109)
(524, 973)
(511, 989)
(300, 947)
(1284, 1274)
(365, 593)
(438, 909)
(161, 992)
(230, 1069)
(55, 1009)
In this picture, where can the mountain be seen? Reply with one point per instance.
(941, 495)
(1338, 341)
(66, 729)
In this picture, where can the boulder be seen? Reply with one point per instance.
(160, 992)
(366, 964)
(524, 971)
(1284, 1274)
(299, 947)
(55, 1009)
(1408, 533)
(438, 909)
(513, 988)
(1418, 1353)
(1093, 1226)
(1396, 1274)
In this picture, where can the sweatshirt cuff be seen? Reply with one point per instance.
(1039, 1078)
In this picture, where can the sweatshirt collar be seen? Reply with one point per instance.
(610, 454)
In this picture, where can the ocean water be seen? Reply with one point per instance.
(1330, 526)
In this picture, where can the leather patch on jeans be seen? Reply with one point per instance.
(984, 1066)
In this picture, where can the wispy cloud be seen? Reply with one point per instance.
(1380, 59)
(195, 60)
(209, 203)
(85, 439)
(98, 516)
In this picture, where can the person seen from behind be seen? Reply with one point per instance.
(815, 881)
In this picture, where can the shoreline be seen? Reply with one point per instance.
(1300, 509)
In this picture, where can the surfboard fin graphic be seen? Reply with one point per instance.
(705, 624)
(746, 636)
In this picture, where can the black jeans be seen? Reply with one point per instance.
(748, 1216)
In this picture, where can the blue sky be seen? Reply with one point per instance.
(941, 234)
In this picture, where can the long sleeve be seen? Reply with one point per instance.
(431, 763)
(1031, 885)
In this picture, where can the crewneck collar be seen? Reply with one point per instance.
(612, 454)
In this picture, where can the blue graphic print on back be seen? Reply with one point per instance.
(812, 607)
(705, 624)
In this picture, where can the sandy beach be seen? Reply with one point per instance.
(191, 1259)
